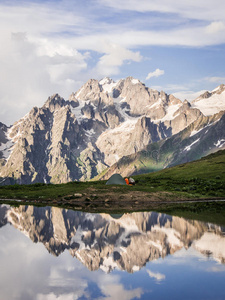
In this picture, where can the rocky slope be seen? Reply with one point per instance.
(101, 123)
(101, 241)
(202, 137)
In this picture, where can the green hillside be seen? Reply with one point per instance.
(209, 167)
(200, 179)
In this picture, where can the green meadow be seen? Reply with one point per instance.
(200, 179)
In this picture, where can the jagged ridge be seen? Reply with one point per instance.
(101, 123)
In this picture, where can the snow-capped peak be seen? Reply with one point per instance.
(212, 102)
(135, 81)
(219, 89)
(105, 80)
(107, 84)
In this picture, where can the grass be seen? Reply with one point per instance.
(44, 191)
(199, 179)
(213, 212)
(204, 178)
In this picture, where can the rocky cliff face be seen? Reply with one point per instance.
(47, 143)
(101, 123)
(100, 241)
(202, 137)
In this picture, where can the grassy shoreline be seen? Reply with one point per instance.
(212, 211)
(198, 180)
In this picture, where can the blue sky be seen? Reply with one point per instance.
(56, 46)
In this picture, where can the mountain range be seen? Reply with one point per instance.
(107, 127)
(108, 242)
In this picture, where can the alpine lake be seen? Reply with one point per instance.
(59, 253)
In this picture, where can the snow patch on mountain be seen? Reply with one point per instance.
(211, 244)
(135, 268)
(172, 236)
(188, 148)
(79, 92)
(135, 81)
(156, 104)
(78, 238)
(108, 85)
(212, 105)
(108, 264)
(170, 112)
(77, 111)
(6, 149)
(90, 132)
(156, 244)
(216, 89)
(220, 143)
(16, 219)
(126, 126)
(123, 111)
(194, 132)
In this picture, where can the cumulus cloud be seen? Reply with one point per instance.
(47, 49)
(115, 57)
(156, 73)
(49, 277)
(29, 78)
(111, 288)
(158, 276)
(215, 27)
(38, 59)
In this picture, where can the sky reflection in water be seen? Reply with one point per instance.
(137, 256)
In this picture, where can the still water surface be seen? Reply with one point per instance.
(53, 253)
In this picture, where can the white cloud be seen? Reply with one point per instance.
(115, 57)
(200, 10)
(215, 27)
(116, 290)
(38, 60)
(52, 296)
(49, 277)
(29, 78)
(57, 48)
(175, 87)
(215, 79)
(156, 275)
(182, 92)
(156, 73)
(216, 269)
(188, 95)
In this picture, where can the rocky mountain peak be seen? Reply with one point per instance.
(172, 100)
(54, 102)
(211, 102)
(106, 80)
(3, 126)
(186, 104)
(89, 90)
(93, 91)
(100, 123)
(219, 89)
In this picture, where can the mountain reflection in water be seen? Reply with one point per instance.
(112, 243)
